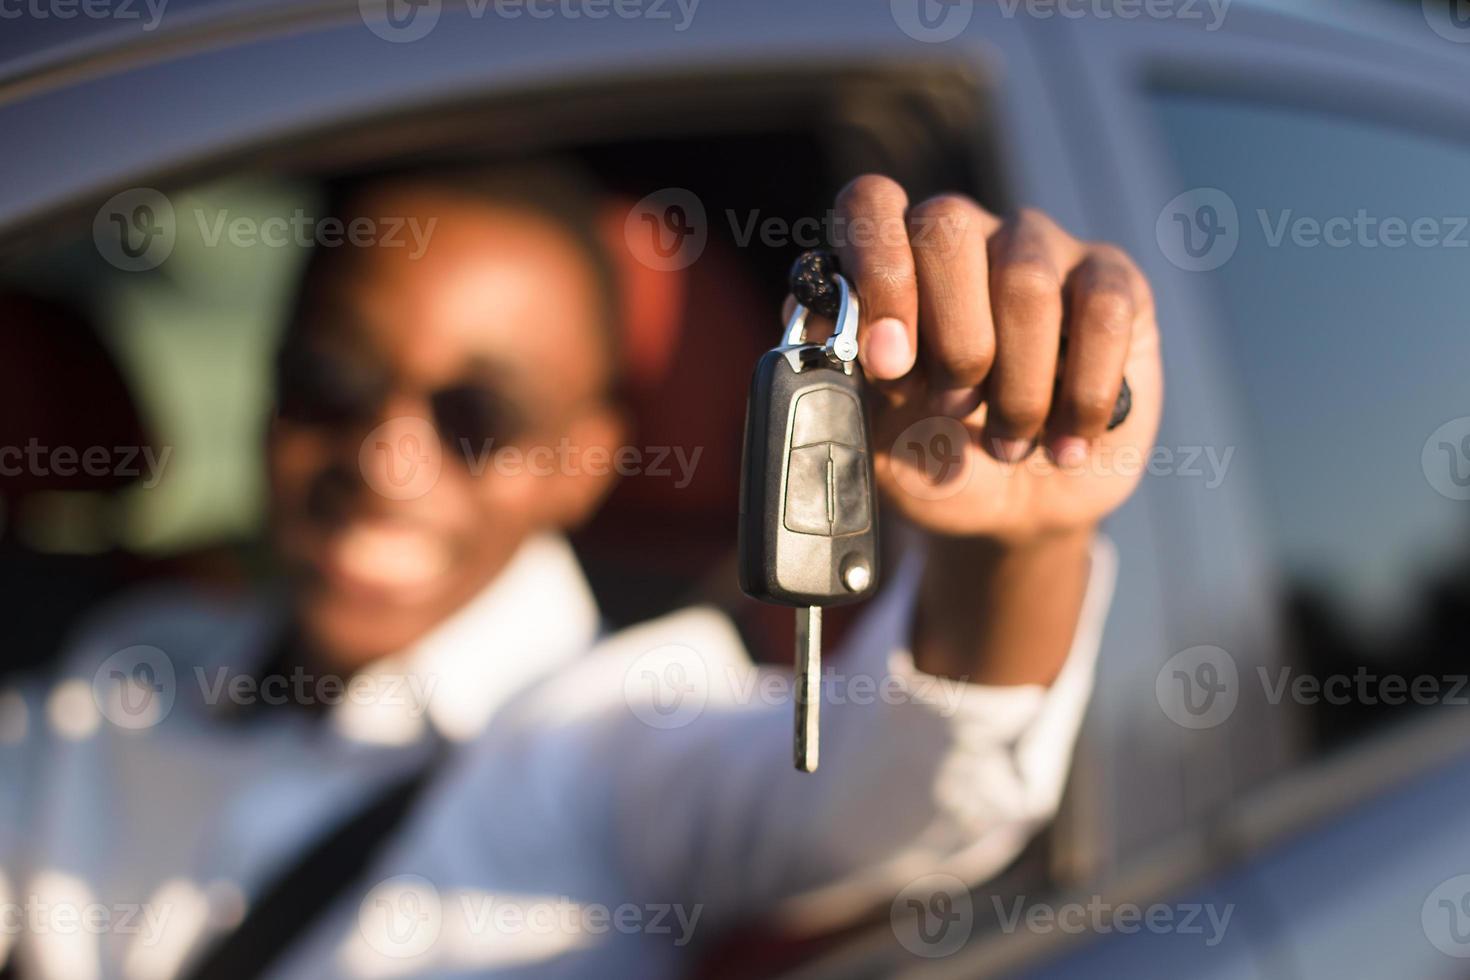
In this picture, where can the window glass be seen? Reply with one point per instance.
(1339, 253)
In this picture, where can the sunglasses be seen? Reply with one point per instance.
(324, 389)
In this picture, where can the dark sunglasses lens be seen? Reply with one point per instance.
(471, 418)
(315, 387)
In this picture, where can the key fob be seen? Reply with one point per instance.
(808, 505)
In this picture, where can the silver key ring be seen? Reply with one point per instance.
(843, 344)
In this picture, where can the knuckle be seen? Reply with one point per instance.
(1023, 412)
(1108, 311)
(1115, 264)
(888, 275)
(872, 192)
(1035, 221)
(1091, 407)
(969, 363)
(1029, 283)
(1108, 254)
(944, 212)
(949, 205)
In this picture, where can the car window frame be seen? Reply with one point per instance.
(1103, 74)
(1114, 132)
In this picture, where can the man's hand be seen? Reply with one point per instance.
(977, 438)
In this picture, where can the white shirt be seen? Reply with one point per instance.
(607, 805)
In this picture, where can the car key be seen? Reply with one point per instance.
(808, 510)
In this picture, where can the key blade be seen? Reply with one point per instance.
(808, 686)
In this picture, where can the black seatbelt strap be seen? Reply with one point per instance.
(294, 900)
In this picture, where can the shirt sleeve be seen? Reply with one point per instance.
(918, 773)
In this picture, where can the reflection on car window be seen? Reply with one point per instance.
(1338, 250)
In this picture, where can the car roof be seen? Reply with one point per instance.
(32, 43)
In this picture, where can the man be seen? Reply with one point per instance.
(598, 813)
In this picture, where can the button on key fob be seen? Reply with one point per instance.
(808, 510)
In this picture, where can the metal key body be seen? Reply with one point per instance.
(808, 506)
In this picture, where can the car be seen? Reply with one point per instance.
(1271, 779)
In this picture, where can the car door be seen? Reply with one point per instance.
(1317, 494)
(1294, 562)
(1290, 186)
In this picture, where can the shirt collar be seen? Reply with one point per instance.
(536, 615)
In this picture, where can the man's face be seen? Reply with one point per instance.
(404, 378)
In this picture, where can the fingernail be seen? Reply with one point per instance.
(888, 353)
(1069, 451)
(1010, 450)
(957, 403)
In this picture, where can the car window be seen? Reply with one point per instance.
(1337, 250)
(193, 340)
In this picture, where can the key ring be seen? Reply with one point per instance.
(843, 344)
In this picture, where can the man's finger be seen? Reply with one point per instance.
(1102, 305)
(1028, 258)
(948, 236)
(875, 254)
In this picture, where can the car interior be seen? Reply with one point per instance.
(182, 357)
